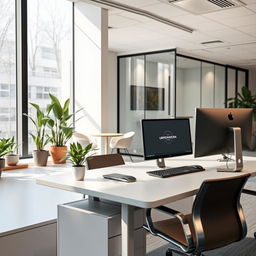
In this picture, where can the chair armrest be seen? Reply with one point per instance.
(181, 217)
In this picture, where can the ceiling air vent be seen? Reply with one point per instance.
(204, 6)
(222, 3)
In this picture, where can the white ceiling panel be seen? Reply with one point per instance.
(165, 10)
(234, 13)
(232, 36)
(249, 1)
(138, 3)
(241, 21)
(236, 27)
(252, 7)
(248, 29)
(190, 19)
(118, 21)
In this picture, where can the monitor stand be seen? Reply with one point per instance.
(160, 162)
(237, 150)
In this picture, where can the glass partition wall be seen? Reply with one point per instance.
(167, 85)
(146, 87)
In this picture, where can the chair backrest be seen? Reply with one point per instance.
(83, 139)
(125, 141)
(217, 214)
(101, 161)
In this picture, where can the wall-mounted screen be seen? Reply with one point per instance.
(154, 98)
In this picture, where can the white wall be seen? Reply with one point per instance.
(91, 53)
(110, 117)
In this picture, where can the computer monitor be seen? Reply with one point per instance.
(223, 130)
(165, 138)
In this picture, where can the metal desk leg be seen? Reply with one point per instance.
(127, 230)
(252, 193)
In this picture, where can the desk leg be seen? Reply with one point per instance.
(127, 230)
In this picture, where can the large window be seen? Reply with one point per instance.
(49, 52)
(7, 69)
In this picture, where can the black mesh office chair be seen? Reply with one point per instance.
(216, 220)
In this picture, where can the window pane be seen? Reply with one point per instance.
(7, 69)
(50, 52)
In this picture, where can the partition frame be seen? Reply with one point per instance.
(118, 81)
(176, 54)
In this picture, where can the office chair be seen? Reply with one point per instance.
(84, 140)
(122, 142)
(216, 220)
(101, 161)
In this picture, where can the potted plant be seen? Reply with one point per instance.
(40, 139)
(245, 99)
(11, 158)
(61, 129)
(4, 150)
(77, 155)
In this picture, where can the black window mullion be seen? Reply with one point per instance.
(22, 74)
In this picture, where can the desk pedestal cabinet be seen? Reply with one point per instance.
(93, 228)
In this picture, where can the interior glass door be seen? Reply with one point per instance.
(131, 99)
(159, 85)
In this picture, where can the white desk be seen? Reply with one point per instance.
(147, 191)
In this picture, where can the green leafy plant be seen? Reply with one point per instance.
(78, 154)
(40, 122)
(245, 99)
(61, 129)
(5, 146)
(13, 145)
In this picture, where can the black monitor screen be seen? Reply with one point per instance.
(166, 138)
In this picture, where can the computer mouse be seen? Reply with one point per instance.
(128, 178)
(198, 167)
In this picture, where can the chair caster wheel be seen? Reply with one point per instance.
(168, 252)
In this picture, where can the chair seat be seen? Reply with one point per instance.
(173, 229)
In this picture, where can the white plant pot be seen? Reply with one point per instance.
(12, 159)
(79, 172)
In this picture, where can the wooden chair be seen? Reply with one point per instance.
(102, 161)
(216, 220)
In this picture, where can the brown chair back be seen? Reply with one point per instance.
(101, 161)
(217, 214)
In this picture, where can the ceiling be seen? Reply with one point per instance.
(236, 27)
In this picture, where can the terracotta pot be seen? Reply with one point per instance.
(79, 172)
(2, 165)
(40, 157)
(58, 153)
(12, 159)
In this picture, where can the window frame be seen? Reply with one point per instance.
(22, 74)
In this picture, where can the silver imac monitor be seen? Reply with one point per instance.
(223, 131)
(165, 138)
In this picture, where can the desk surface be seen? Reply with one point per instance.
(24, 204)
(147, 191)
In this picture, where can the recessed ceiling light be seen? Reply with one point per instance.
(213, 42)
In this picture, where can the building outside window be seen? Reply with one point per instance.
(49, 52)
(7, 69)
